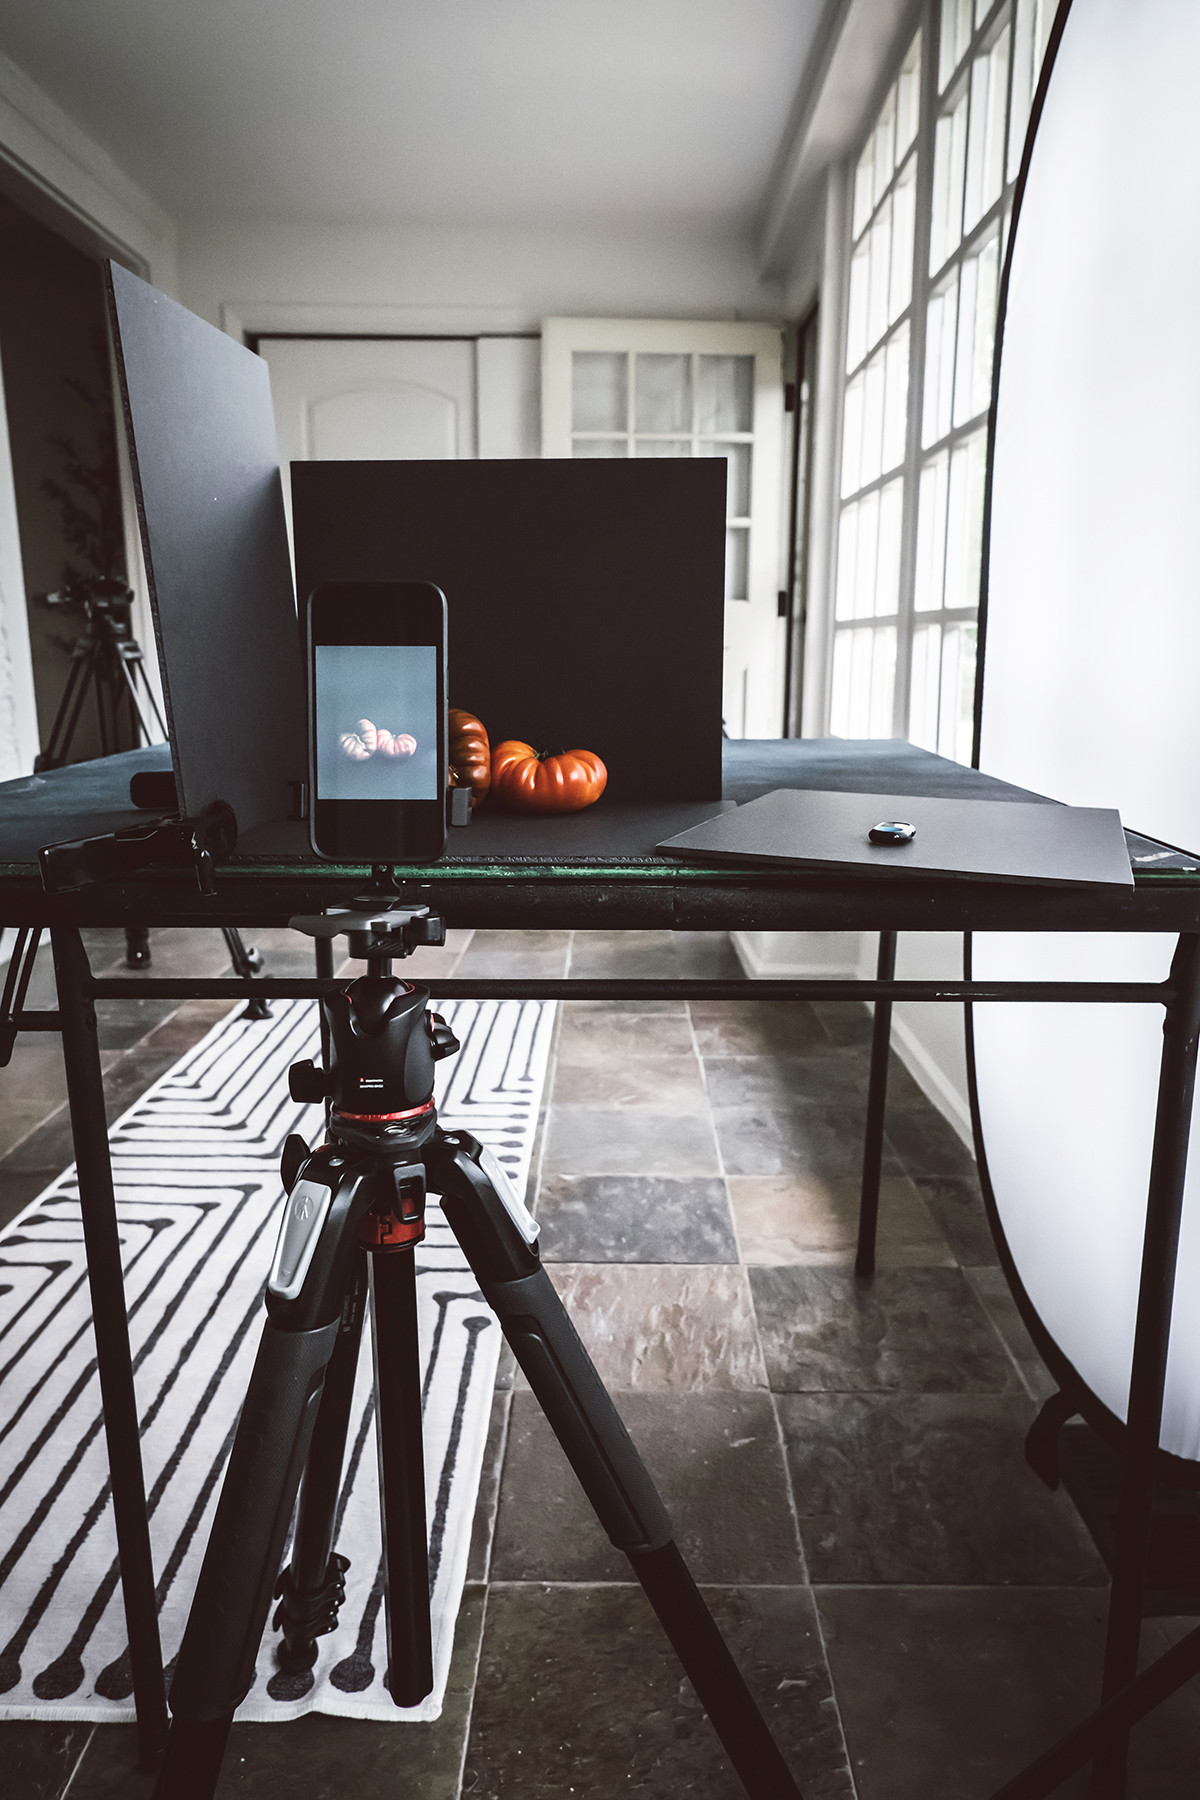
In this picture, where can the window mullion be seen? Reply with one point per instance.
(919, 308)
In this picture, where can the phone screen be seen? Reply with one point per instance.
(376, 721)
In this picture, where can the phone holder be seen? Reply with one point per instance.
(376, 929)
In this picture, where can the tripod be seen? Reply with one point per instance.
(107, 663)
(354, 1213)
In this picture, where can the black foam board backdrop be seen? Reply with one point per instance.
(585, 599)
(210, 505)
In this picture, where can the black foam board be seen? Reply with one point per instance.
(985, 840)
(585, 599)
(210, 505)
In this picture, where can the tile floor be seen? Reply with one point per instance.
(916, 1613)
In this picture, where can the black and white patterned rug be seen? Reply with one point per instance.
(196, 1165)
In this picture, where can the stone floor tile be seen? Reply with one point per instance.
(590, 1036)
(927, 1144)
(659, 1326)
(643, 954)
(635, 1219)
(39, 1758)
(957, 1205)
(832, 1077)
(991, 1287)
(318, 1757)
(665, 1083)
(580, 1693)
(917, 1330)
(927, 1488)
(587, 1140)
(814, 1140)
(191, 1021)
(715, 1459)
(49, 1146)
(678, 1007)
(790, 1219)
(483, 1529)
(122, 1023)
(846, 1021)
(757, 1028)
(949, 1692)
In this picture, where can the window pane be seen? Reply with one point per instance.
(599, 399)
(856, 325)
(880, 241)
(964, 521)
(940, 323)
(1024, 80)
(904, 225)
(949, 165)
(871, 466)
(956, 702)
(956, 35)
(885, 144)
(737, 563)
(864, 187)
(908, 99)
(600, 447)
(662, 393)
(847, 563)
(887, 563)
(923, 692)
(864, 678)
(863, 602)
(895, 398)
(662, 446)
(985, 150)
(852, 435)
(725, 393)
(976, 332)
(931, 534)
(737, 501)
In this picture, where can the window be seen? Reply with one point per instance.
(628, 387)
(931, 197)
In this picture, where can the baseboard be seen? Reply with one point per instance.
(932, 1081)
(759, 969)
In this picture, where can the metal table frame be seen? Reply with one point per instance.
(645, 895)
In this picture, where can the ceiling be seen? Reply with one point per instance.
(460, 112)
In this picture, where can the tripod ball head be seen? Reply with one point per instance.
(383, 1045)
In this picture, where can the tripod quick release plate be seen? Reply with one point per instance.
(383, 930)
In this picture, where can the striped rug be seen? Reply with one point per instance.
(196, 1165)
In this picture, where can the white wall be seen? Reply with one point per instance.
(263, 277)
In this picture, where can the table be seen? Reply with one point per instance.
(598, 870)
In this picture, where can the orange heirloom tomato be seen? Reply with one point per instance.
(547, 781)
(470, 754)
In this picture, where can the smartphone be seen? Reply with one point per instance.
(377, 721)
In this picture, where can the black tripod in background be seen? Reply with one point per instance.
(108, 666)
(353, 1216)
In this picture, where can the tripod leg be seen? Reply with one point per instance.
(313, 1269)
(497, 1238)
(402, 1476)
(313, 1586)
(246, 963)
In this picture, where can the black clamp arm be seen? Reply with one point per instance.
(195, 844)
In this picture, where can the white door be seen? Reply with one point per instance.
(369, 399)
(661, 387)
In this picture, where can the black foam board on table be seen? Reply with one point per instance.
(210, 505)
(585, 598)
(972, 839)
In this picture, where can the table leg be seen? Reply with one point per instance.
(89, 1129)
(881, 1037)
(1164, 1205)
